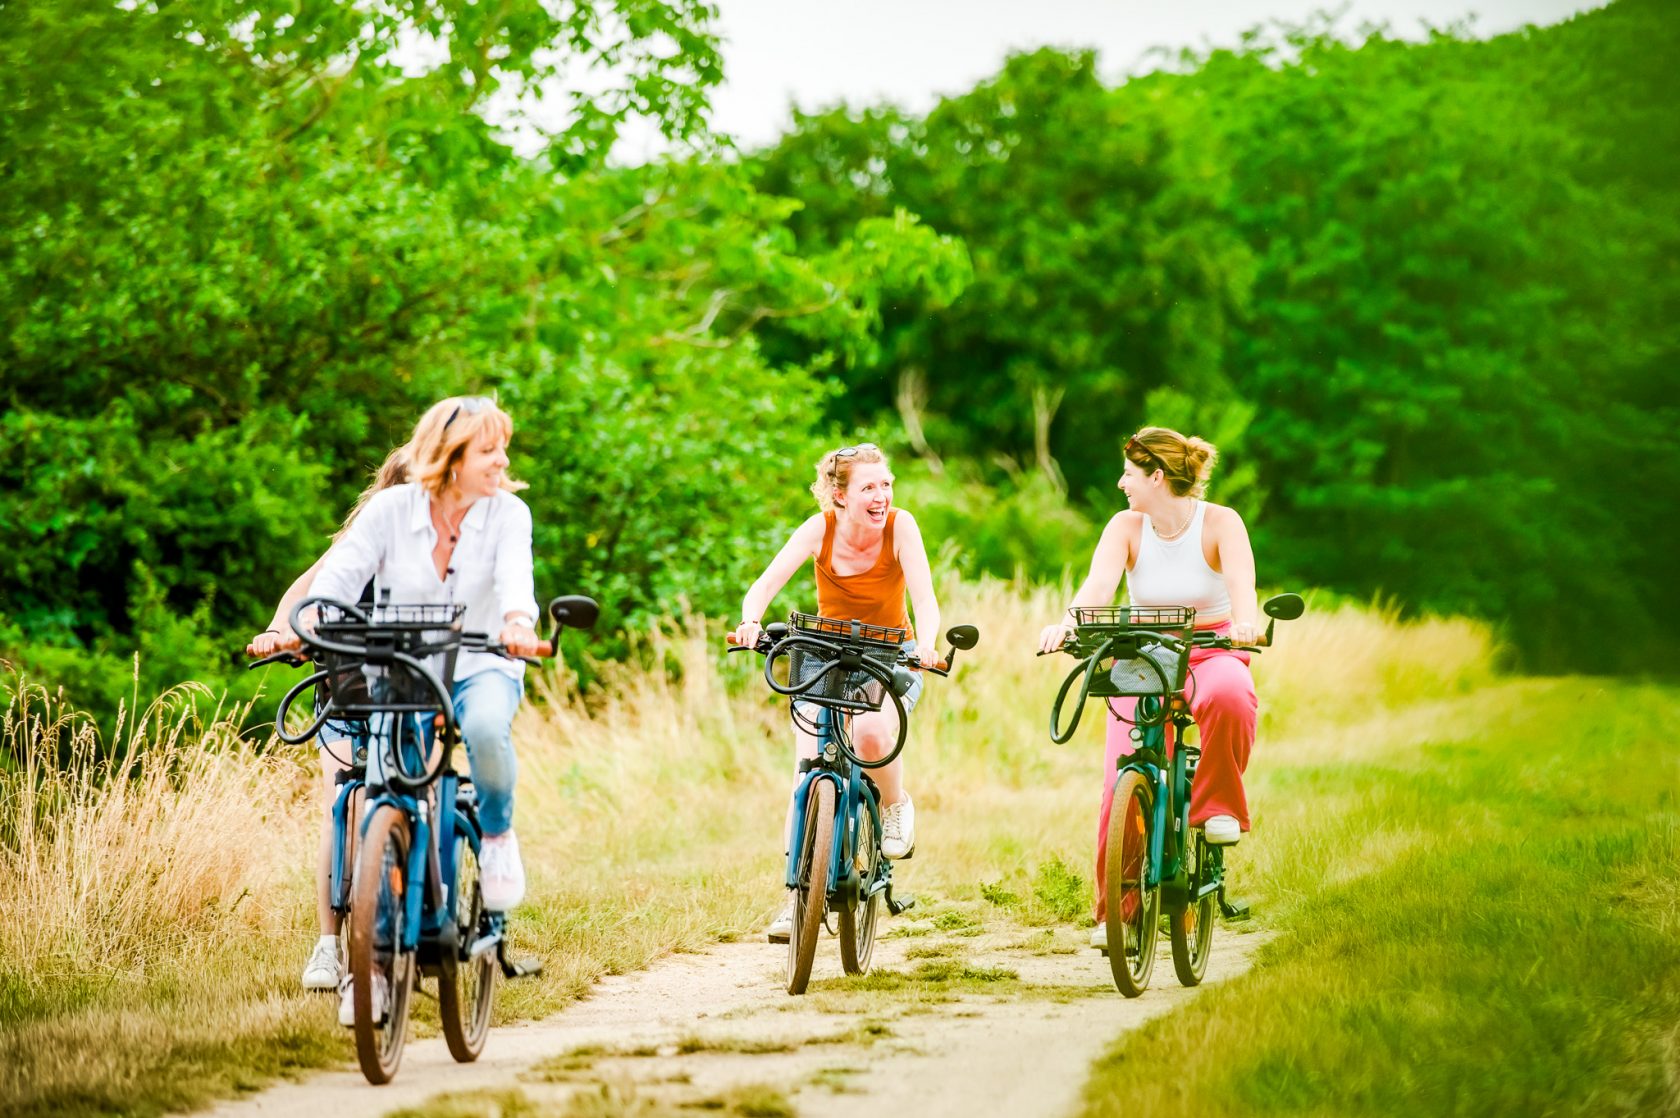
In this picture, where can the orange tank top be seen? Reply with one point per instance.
(875, 596)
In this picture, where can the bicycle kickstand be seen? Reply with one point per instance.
(524, 966)
(1232, 910)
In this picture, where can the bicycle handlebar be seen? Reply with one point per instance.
(839, 656)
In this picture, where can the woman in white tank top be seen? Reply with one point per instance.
(1177, 549)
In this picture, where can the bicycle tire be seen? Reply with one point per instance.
(377, 918)
(816, 847)
(857, 923)
(1130, 821)
(466, 987)
(1192, 927)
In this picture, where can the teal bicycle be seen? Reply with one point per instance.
(1153, 859)
(837, 669)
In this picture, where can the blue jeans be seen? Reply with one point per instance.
(484, 707)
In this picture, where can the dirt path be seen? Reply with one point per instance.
(951, 1021)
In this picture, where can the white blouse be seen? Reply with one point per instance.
(391, 541)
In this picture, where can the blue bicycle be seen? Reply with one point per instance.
(414, 905)
(837, 669)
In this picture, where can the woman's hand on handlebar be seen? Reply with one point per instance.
(1054, 637)
(928, 655)
(271, 641)
(519, 640)
(746, 634)
(1245, 632)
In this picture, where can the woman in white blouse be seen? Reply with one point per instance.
(453, 531)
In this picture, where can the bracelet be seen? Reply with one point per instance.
(523, 622)
(276, 632)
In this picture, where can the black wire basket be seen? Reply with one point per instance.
(431, 632)
(1155, 618)
(1140, 665)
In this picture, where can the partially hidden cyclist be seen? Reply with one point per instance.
(321, 971)
(867, 554)
(456, 532)
(1177, 549)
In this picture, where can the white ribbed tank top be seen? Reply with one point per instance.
(1176, 573)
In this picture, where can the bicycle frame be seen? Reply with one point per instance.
(1165, 762)
(850, 789)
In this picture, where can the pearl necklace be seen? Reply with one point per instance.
(1168, 537)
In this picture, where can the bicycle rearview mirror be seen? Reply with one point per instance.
(1285, 607)
(574, 610)
(963, 636)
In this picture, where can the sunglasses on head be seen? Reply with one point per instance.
(1134, 447)
(852, 451)
(472, 405)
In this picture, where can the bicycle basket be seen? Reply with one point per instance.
(1120, 618)
(884, 636)
(1137, 676)
(368, 679)
(1124, 632)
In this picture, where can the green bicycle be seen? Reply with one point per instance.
(1152, 859)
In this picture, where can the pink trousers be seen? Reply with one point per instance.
(1221, 693)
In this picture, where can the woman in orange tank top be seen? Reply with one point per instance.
(868, 554)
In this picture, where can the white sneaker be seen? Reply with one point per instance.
(781, 928)
(321, 972)
(501, 873)
(1099, 937)
(1222, 830)
(898, 829)
(347, 1000)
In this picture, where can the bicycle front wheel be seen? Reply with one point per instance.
(378, 918)
(857, 923)
(816, 846)
(466, 987)
(1192, 927)
(1134, 904)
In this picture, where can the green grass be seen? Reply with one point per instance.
(1486, 921)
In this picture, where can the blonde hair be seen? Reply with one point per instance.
(1187, 463)
(834, 471)
(436, 447)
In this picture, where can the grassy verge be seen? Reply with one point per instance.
(1478, 907)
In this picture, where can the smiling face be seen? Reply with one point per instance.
(868, 496)
(483, 465)
(1141, 489)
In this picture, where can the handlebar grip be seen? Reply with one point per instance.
(545, 649)
(942, 666)
(293, 646)
(731, 638)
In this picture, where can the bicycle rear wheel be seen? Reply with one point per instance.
(1133, 904)
(377, 923)
(466, 987)
(857, 923)
(816, 846)
(1192, 928)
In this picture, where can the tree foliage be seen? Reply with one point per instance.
(1424, 294)
(242, 249)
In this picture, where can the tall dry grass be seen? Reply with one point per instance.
(169, 893)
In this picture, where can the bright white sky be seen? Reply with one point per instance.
(910, 52)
